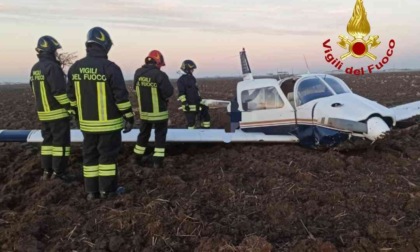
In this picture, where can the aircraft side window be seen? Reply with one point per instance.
(261, 99)
(247, 98)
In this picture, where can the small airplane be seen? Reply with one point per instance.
(314, 110)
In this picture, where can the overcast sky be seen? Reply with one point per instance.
(275, 33)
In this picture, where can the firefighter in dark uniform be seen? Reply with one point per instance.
(189, 96)
(49, 87)
(153, 90)
(97, 90)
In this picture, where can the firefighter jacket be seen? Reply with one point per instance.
(153, 90)
(48, 84)
(97, 88)
(188, 92)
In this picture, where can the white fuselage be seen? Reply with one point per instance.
(323, 101)
(351, 108)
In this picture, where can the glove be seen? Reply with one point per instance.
(185, 107)
(73, 115)
(204, 107)
(71, 112)
(128, 122)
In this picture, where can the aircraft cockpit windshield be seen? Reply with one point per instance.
(336, 84)
(315, 87)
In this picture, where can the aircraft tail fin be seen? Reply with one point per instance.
(246, 69)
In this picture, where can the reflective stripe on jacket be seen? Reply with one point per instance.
(188, 92)
(49, 87)
(97, 88)
(153, 90)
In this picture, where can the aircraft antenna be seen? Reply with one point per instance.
(307, 66)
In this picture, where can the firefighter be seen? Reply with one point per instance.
(189, 95)
(153, 90)
(48, 84)
(97, 91)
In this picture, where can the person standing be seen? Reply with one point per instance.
(153, 90)
(189, 96)
(97, 91)
(48, 84)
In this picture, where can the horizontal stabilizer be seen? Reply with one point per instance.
(406, 111)
(215, 103)
(174, 135)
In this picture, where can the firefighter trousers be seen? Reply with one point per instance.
(203, 115)
(55, 148)
(100, 152)
(161, 128)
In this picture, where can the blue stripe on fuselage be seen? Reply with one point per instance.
(20, 136)
(310, 136)
(273, 130)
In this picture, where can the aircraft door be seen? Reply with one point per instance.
(306, 93)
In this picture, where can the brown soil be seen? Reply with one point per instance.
(223, 197)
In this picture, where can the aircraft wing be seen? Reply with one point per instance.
(174, 135)
(406, 111)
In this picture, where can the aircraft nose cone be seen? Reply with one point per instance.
(376, 128)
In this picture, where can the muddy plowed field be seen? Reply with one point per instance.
(222, 197)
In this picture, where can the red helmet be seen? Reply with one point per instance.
(156, 57)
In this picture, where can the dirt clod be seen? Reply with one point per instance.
(222, 197)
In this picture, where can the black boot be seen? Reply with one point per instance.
(139, 160)
(157, 163)
(46, 176)
(92, 196)
(65, 177)
(108, 195)
(142, 160)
